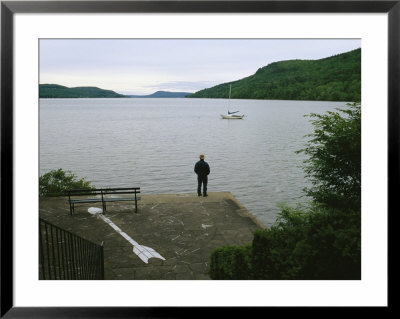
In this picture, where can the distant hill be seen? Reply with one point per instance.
(336, 78)
(163, 94)
(59, 91)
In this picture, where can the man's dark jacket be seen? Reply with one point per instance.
(202, 168)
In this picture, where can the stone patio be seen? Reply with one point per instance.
(182, 228)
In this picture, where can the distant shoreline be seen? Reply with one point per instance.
(47, 91)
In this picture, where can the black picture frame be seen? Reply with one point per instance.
(9, 8)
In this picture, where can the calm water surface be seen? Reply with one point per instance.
(154, 144)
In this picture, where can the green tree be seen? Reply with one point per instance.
(58, 182)
(334, 158)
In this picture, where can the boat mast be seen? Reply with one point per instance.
(229, 103)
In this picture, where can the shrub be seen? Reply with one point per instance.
(276, 253)
(335, 238)
(317, 243)
(58, 182)
(230, 263)
(274, 249)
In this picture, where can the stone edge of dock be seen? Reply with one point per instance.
(214, 196)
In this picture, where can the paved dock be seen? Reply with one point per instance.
(182, 228)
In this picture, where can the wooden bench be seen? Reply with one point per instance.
(102, 195)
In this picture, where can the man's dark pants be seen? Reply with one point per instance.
(202, 180)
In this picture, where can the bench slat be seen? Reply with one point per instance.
(110, 199)
(122, 192)
(86, 200)
(103, 190)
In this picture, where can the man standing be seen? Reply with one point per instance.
(202, 169)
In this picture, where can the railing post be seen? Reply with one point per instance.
(72, 254)
(47, 250)
(52, 252)
(41, 252)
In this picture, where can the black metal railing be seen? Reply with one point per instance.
(66, 256)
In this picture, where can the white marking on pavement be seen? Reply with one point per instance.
(143, 252)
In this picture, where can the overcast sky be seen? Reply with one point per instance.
(131, 66)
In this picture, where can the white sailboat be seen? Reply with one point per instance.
(231, 115)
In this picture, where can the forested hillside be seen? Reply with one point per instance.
(59, 91)
(336, 78)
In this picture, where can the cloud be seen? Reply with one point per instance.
(182, 86)
(141, 66)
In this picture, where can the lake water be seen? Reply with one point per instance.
(154, 144)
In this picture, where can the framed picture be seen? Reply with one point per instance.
(25, 23)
